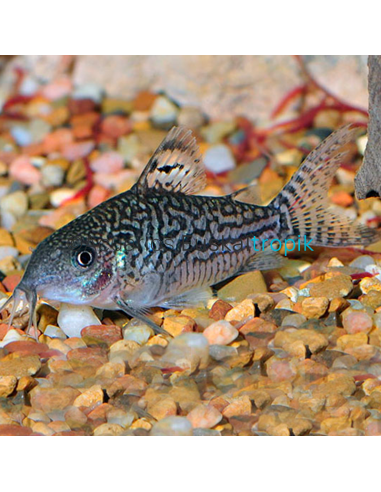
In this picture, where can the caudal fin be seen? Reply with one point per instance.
(304, 204)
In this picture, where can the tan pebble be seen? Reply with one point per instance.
(350, 341)
(314, 307)
(163, 408)
(266, 422)
(141, 424)
(52, 399)
(126, 383)
(335, 424)
(315, 341)
(111, 370)
(20, 366)
(258, 325)
(90, 398)
(370, 283)
(158, 340)
(175, 325)
(240, 406)
(220, 333)
(372, 299)
(280, 430)
(108, 430)
(336, 286)
(59, 426)
(263, 301)
(241, 312)
(7, 385)
(25, 383)
(363, 352)
(204, 417)
(261, 398)
(42, 428)
(338, 304)
(5, 238)
(241, 287)
(75, 418)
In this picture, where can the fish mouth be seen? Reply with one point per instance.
(20, 293)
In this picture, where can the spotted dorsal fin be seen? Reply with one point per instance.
(176, 166)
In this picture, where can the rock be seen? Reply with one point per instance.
(6, 251)
(90, 398)
(78, 150)
(280, 370)
(241, 287)
(263, 301)
(346, 342)
(163, 408)
(314, 307)
(337, 286)
(108, 162)
(190, 117)
(52, 175)
(172, 426)
(52, 331)
(50, 400)
(368, 284)
(220, 333)
(163, 113)
(108, 430)
(294, 320)
(120, 417)
(219, 310)
(215, 132)
(356, 322)
(175, 325)
(15, 203)
(98, 334)
(188, 350)
(286, 340)
(241, 312)
(137, 331)
(23, 171)
(20, 366)
(204, 417)
(89, 91)
(7, 385)
(240, 406)
(72, 319)
(219, 159)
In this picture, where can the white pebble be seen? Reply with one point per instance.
(12, 336)
(219, 159)
(188, 349)
(163, 111)
(52, 331)
(6, 251)
(52, 175)
(137, 331)
(57, 197)
(89, 91)
(172, 426)
(72, 319)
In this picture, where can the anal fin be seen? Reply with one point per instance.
(191, 298)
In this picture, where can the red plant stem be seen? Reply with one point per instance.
(320, 87)
(288, 98)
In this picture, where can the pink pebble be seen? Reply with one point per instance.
(23, 171)
(97, 195)
(357, 322)
(279, 370)
(57, 89)
(58, 139)
(114, 180)
(220, 333)
(109, 162)
(77, 150)
(204, 417)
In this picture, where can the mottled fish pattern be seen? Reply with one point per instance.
(159, 245)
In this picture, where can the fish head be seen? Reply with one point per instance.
(69, 266)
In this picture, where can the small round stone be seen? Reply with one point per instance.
(72, 319)
(172, 426)
(220, 333)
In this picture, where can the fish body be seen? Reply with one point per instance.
(159, 245)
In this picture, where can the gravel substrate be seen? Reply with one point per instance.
(289, 352)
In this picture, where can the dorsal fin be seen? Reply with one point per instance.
(176, 165)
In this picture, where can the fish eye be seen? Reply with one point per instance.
(84, 256)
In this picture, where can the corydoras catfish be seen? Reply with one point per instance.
(159, 245)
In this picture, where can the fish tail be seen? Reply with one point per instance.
(303, 203)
